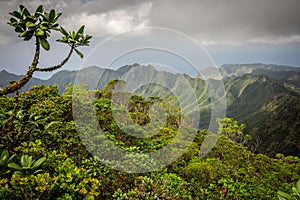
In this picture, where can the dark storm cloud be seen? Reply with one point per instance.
(231, 20)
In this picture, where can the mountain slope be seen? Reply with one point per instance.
(279, 72)
(266, 99)
(270, 110)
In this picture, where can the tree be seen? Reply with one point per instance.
(230, 128)
(39, 26)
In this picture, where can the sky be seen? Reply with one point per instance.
(230, 32)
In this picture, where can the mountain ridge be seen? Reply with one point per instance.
(269, 105)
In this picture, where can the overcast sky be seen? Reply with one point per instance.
(232, 31)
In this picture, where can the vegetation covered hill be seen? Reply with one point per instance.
(271, 110)
(267, 104)
(47, 159)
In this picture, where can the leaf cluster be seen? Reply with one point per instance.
(41, 23)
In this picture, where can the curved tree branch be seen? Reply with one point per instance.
(49, 69)
(20, 83)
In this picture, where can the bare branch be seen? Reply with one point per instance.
(20, 83)
(49, 69)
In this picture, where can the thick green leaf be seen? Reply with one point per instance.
(50, 124)
(32, 19)
(295, 192)
(25, 12)
(57, 16)
(20, 114)
(283, 196)
(40, 33)
(62, 40)
(23, 34)
(30, 24)
(16, 14)
(35, 118)
(18, 30)
(24, 160)
(73, 34)
(4, 157)
(13, 20)
(38, 162)
(45, 44)
(63, 31)
(4, 154)
(80, 31)
(79, 53)
(46, 16)
(21, 7)
(2, 162)
(39, 10)
(28, 37)
(19, 173)
(10, 159)
(52, 15)
(14, 166)
(29, 162)
(54, 26)
(37, 171)
(298, 186)
(71, 40)
(88, 37)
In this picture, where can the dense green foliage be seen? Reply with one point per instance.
(37, 130)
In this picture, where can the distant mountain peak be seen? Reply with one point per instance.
(281, 72)
(3, 71)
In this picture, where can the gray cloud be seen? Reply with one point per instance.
(231, 20)
(208, 21)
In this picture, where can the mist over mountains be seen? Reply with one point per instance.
(264, 97)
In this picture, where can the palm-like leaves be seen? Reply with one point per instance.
(5, 158)
(75, 38)
(28, 166)
(294, 196)
(40, 25)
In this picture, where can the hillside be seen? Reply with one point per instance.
(270, 109)
(58, 163)
(261, 96)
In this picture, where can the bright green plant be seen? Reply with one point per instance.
(204, 172)
(234, 131)
(19, 126)
(39, 26)
(294, 196)
(28, 166)
(4, 160)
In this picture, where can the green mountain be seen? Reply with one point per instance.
(264, 97)
(279, 72)
(270, 109)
